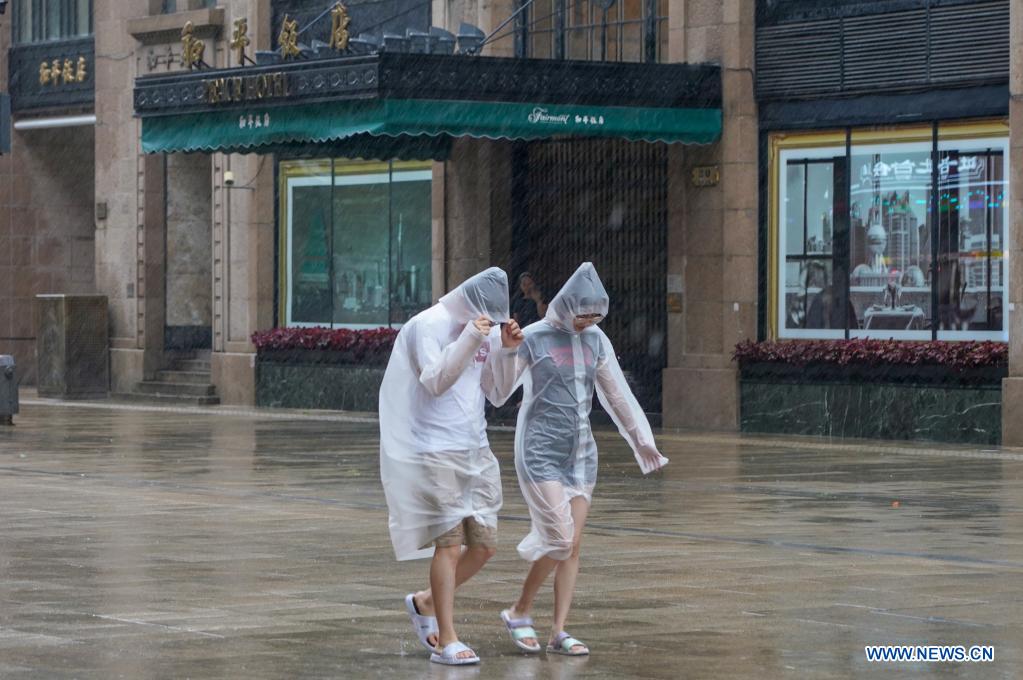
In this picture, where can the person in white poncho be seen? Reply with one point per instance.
(563, 358)
(441, 480)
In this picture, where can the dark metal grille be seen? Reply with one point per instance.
(603, 202)
(964, 44)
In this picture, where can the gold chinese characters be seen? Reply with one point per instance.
(63, 72)
(339, 27)
(192, 49)
(240, 39)
(288, 38)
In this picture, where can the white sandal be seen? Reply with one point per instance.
(424, 626)
(449, 655)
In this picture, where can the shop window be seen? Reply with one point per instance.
(42, 20)
(891, 234)
(356, 242)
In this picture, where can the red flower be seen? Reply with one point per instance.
(364, 345)
(957, 355)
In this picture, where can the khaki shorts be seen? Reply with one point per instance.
(468, 532)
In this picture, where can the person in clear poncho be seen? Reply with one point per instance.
(441, 480)
(564, 357)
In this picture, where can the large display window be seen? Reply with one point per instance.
(356, 242)
(896, 233)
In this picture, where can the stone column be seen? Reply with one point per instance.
(467, 190)
(712, 239)
(472, 190)
(1012, 387)
(121, 237)
(243, 240)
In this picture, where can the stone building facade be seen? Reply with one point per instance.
(187, 259)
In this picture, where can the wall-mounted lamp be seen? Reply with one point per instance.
(3, 6)
(229, 181)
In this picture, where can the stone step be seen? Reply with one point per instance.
(165, 399)
(182, 389)
(200, 365)
(194, 377)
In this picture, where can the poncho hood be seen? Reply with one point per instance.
(485, 294)
(583, 293)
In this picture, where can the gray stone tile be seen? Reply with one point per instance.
(205, 544)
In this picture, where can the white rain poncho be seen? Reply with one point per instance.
(559, 367)
(435, 462)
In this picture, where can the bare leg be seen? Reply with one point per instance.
(538, 573)
(442, 583)
(564, 577)
(548, 506)
(469, 563)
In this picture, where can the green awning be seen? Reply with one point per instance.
(260, 129)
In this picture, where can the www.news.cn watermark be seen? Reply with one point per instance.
(930, 653)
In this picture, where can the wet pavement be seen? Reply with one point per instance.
(232, 543)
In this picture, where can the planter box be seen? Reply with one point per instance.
(874, 402)
(317, 379)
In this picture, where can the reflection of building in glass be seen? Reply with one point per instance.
(815, 245)
(976, 266)
(894, 241)
(872, 271)
(904, 240)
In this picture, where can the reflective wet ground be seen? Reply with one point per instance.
(227, 543)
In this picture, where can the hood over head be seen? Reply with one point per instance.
(581, 295)
(485, 294)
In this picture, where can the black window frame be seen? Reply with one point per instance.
(942, 227)
(652, 24)
(67, 12)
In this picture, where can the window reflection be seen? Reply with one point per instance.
(896, 240)
(812, 301)
(358, 244)
(889, 237)
(970, 240)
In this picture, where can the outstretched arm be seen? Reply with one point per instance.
(440, 367)
(618, 400)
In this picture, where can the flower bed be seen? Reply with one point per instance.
(957, 356)
(321, 368)
(358, 346)
(886, 389)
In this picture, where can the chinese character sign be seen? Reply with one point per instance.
(288, 38)
(58, 72)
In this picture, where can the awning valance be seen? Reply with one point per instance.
(248, 130)
(419, 102)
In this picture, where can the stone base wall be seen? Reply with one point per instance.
(945, 413)
(318, 386)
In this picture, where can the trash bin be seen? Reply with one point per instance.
(8, 390)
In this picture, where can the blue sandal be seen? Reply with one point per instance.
(564, 643)
(520, 629)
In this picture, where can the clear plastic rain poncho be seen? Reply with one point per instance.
(559, 367)
(435, 462)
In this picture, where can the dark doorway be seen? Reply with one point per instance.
(604, 202)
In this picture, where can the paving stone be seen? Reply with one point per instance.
(179, 542)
